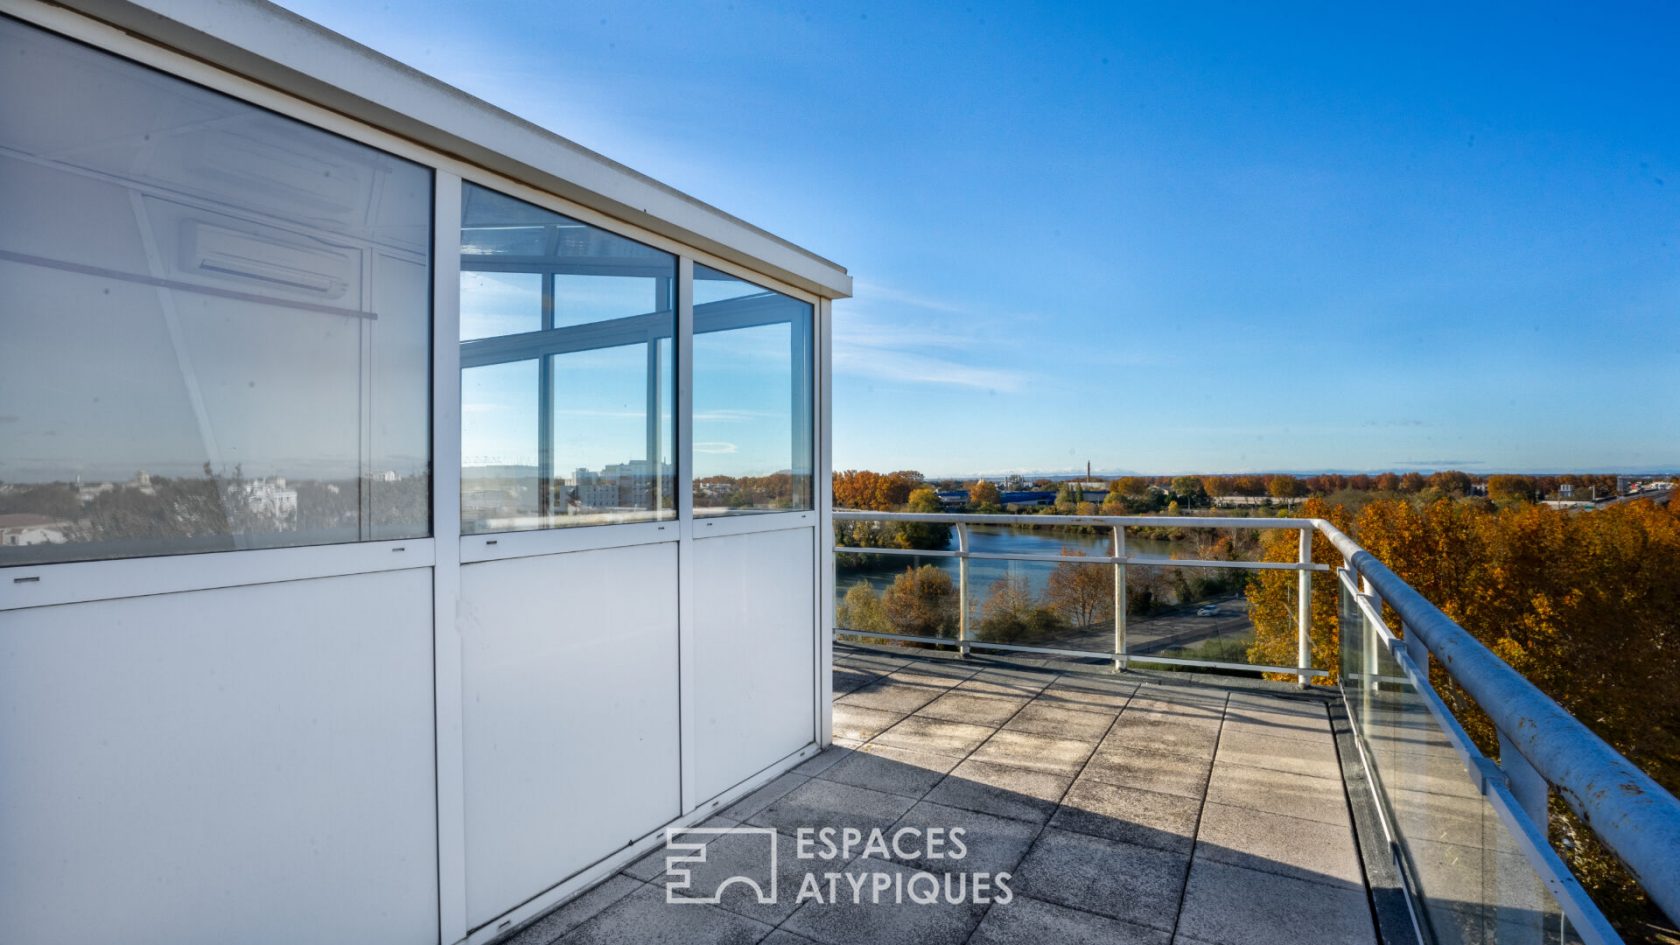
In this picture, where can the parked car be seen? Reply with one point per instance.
(1207, 610)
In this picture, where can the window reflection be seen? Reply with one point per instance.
(214, 321)
(565, 413)
(752, 397)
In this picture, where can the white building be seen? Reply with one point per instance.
(419, 716)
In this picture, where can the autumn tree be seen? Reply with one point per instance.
(1451, 482)
(1010, 614)
(1272, 595)
(1082, 593)
(1284, 487)
(1132, 487)
(984, 497)
(1508, 489)
(922, 601)
(861, 610)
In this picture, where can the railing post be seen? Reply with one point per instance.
(1303, 610)
(1120, 660)
(1528, 786)
(962, 588)
(1373, 658)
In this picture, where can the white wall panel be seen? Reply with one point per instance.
(570, 714)
(246, 765)
(754, 649)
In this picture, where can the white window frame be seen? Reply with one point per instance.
(47, 584)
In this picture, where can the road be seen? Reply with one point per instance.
(1168, 630)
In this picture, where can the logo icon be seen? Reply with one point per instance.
(693, 873)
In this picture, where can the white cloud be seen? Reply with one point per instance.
(715, 447)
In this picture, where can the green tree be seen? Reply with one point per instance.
(924, 535)
(1189, 491)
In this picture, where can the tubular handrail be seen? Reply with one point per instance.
(1634, 816)
(1101, 521)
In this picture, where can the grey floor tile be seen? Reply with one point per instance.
(1146, 818)
(1058, 756)
(1316, 758)
(1120, 880)
(985, 843)
(935, 736)
(1011, 684)
(762, 797)
(887, 695)
(819, 803)
(574, 913)
(887, 922)
(823, 760)
(784, 937)
(1045, 717)
(1004, 790)
(645, 918)
(1279, 792)
(1230, 905)
(926, 673)
(862, 722)
(973, 707)
(847, 679)
(1074, 693)
(1144, 770)
(1304, 849)
(894, 770)
(1164, 733)
(1028, 921)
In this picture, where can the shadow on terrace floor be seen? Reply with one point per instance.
(1131, 808)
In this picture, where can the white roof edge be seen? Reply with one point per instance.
(278, 48)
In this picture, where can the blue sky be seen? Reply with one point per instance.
(1162, 238)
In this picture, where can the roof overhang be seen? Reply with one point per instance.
(273, 46)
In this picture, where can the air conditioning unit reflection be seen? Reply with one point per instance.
(229, 254)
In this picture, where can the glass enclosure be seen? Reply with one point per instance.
(567, 374)
(752, 397)
(214, 321)
(1471, 880)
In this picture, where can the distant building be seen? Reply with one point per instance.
(23, 528)
(271, 499)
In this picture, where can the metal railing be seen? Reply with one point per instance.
(1542, 749)
(1120, 560)
(1384, 678)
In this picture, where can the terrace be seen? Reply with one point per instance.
(1130, 802)
(1135, 807)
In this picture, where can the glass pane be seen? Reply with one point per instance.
(567, 397)
(752, 397)
(214, 321)
(602, 437)
(500, 303)
(1473, 884)
(498, 453)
